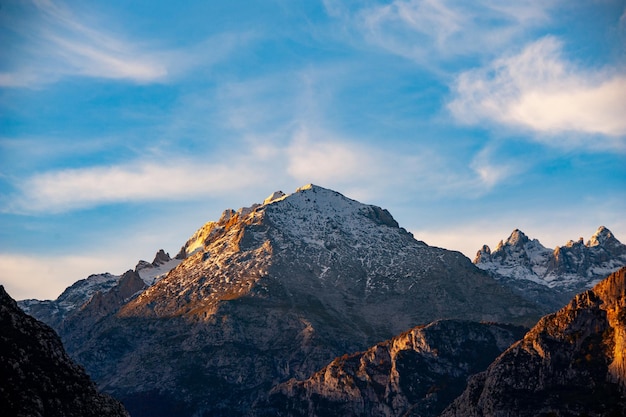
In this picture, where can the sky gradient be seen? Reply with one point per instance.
(125, 126)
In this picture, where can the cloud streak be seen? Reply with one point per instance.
(50, 42)
(430, 30)
(54, 43)
(539, 90)
(70, 189)
(311, 155)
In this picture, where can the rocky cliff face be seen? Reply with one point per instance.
(416, 373)
(552, 277)
(272, 292)
(571, 363)
(38, 377)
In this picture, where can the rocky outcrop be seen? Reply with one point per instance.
(552, 277)
(571, 363)
(102, 304)
(38, 377)
(416, 373)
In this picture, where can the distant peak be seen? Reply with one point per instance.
(483, 255)
(600, 237)
(517, 238)
(161, 257)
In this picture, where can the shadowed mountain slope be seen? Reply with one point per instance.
(416, 373)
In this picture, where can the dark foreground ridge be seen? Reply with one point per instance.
(37, 377)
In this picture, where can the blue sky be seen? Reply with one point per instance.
(125, 126)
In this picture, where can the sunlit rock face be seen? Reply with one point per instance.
(38, 377)
(416, 373)
(552, 277)
(571, 363)
(272, 292)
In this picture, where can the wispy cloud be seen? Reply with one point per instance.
(69, 189)
(54, 43)
(49, 42)
(431, 30)
(540, 90)
(310, 155)
(492, 170)
(322, 160)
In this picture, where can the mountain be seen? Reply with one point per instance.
(38, 377)
(552, 277)
(571, 363)
(55, 312)
(417, 373)
(268, 293)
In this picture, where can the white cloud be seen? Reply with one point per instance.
(539, 90)
(68, 189)
(491, 170)
(308, 155)
(429, 30)
(322, 160)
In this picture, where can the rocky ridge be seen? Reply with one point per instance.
(38, 377)
(78, 295)
(418, 373)
(272, 292)
(552, 277)
(571, 363)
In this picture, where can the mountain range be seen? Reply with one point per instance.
(552, 277)
(254, 306)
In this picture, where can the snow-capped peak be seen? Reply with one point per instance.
(574, 266)
(600, 237)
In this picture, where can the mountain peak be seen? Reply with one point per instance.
(523, 263)
(601, 237)
(517, 238)
(161, 257)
